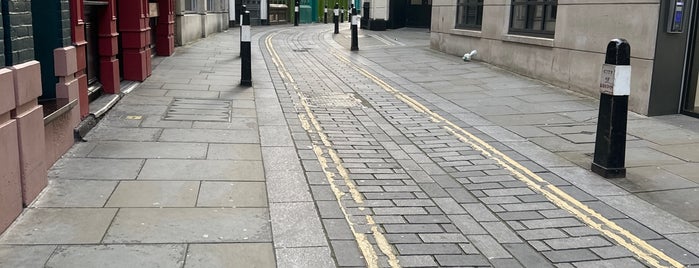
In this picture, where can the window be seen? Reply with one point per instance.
(190, 5)
(469, 14)
(533, 17)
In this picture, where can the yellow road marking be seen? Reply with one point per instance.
(311, 124)
(637, 246)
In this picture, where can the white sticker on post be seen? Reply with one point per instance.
(296, 9)
(326, 10)
(355, 19)
(245, 33)
(337, 12)
(615, 80)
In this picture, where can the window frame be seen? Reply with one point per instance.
(478, 5)
(193, 6)
(532, 5)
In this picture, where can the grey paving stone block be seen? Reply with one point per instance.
(571, 255)
(654, 218)
(329, 210)
(154, 194)
(123, 134)
(187, 225)
(580, 231)
(427, 219)
(232, 194)
(403, 238)
(431, 249)
(25, 256)
(479, 212)
(210, 135)
(489, 246)
(539, 234)
(433, 190)
(412, 228)
(577, 242)
(337, 229)
(467, 224)
(287, 186)
(234, 152)
(75, 193)
(381, 219)
(449, 206)
(281, 158)
(500, 200)
(304, 257)
(59, 226)
(347, 253)
(687, 241)
(443, 238)
(118, 256)
(414, 203)
(400, 211)
(527, 256)
(462, 260)
(612, 252)
(417, 261)
(508, 192)
(123, 149)
(520, 215)
(229, 170)
(624, 262)
(552, 223)
(528, 206)
(389, 195)
(501, 232)
(673, 251)
(322, 193)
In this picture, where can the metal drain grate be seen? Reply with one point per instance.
(332, 100)
(199, 110)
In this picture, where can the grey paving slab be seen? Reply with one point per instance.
(210, 135)
(75, 193)
(123, 134)
(304, 257)
(234, 152)
(275, 136)
(280, 159)
(25, 256)
(231, 170)
(59, 226)
(623, 262)
(296, 225)
(154, 194)
(232, 194)
(118, 256)
(680, 202)
(240, 123)
(286, 186)
(589, 182)
(86, 168)
(656, 219)
(188, 225)
(258, 255)
(181, 150)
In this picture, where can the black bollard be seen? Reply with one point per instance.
(342, 15)
(615, 86)
(245, 54)
(336, 14)
(349, 13)
(325, 15)
(296, 13)
(354, 20)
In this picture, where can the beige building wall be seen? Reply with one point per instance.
(191, 26)
(573, 57)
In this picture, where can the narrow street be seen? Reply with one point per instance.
(393, 156)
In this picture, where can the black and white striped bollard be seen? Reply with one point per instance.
(342, 15)
(354, 20)
(615, 87)
(325, 15)
(245, 54)
(336, 14)
(240, 37)
(296, 13)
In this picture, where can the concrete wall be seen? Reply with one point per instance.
(573, 58)
(188, 28)
(192, 26)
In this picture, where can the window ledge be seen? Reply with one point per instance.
(465, 32)
(530, 40)
(56, 107)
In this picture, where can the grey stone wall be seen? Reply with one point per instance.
(20, 40)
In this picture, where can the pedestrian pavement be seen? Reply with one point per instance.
(346, 159)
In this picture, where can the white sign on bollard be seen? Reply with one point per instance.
(615, 80)
(355, 19)
(245, 33)
(337, 12)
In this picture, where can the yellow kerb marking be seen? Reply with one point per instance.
(592, 218)
(311, 125)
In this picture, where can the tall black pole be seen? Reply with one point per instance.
(354, 19)
(325, 15)
(296, 13)
(342, 15)
(245, 54)
(336, 14)
(615, 86)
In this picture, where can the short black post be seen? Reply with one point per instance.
(325, 15)
(342, 15)
(615, 86)
(245, 54)
(336, 14)
(296, 13)
(354, 20)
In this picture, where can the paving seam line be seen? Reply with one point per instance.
(637, 246)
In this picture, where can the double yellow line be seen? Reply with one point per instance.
(637, 246)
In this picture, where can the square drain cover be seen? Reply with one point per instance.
(199, 110)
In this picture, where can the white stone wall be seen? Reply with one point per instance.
(573, 57)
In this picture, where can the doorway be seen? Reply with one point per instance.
(419, 13)
(94, 10)
(690, 103)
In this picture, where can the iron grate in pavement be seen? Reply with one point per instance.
(199, 110)
(333, 100)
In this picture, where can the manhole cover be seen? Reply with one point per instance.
(199, 110)
(333, 100)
